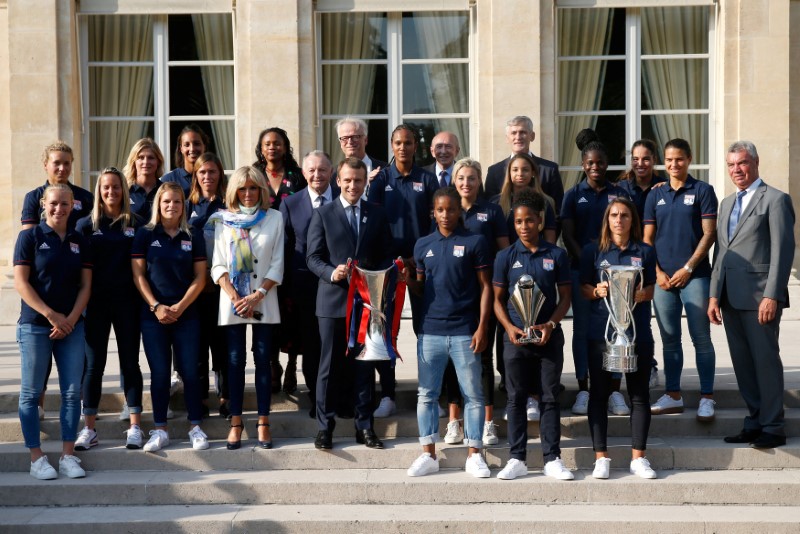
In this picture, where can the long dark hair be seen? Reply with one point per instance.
(179, 163)
(650, 145)
(605, 229)
(289, 163)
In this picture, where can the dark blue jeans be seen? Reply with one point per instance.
(160, 342)
(237, 356)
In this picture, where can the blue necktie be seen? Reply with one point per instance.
(735, 213)
(353, 224)
(443, 179)
(320, 201)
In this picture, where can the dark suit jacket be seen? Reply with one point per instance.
(297, 210)
(757, 260)
(549, 177)
(330, 243)
(432, 169)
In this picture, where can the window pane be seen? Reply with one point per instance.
(111, 141)
(201, 90)
(377, 146)
(356, 89)
(591, 85)
(427, 128)
(120, 38)
(436, 88)
(675, 84)
(693, 128)
(610, 130)
(354, 36)
(675, 30)
(591, 32)
(200, 37)
(120, 91)
(435, 35)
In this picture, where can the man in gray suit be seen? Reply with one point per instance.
(749, 289)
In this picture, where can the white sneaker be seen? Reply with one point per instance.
(556, 469)
(125, 414)
(86, 439)
(476, 466)
(424, 465)
(158, 440)
(134, 438)
(602, 468)
(532, 409)
(653, 377)
(513, 469)
(41, 418)
(175, 383)
(68, 466)
(42, 469)
(490, 433)
(199, 439)
(641, 468)
(581, 406)
(386, 408)
(705, 411)
(617, 405)
(666, 404)
(454, 433)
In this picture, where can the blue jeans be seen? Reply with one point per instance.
(433, 353)
(160, 342)
(581, 309)
(237, 356)
(36, 349)
(668, 305)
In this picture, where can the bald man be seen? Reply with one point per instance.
(444, 149)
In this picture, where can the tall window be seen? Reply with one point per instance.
(151, 76)
(633, 73)
(392, 68)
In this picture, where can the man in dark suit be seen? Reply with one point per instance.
(347, 228)
(749, 289)
(301, 318)
(352, 134)
(520, 135)
(445, 150)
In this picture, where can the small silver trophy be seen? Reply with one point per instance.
(527, 299)
(377, 284)
(619, 356)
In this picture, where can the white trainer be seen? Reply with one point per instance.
(158, 440)
(454, 433)
(175, 383)
(641, 468)
(424, 465)
(198, 438)
(476, 466)
(653, 377)
(134, 438)
(490, 433)
(42, 469)
(617, 405)
(705, 411)
(532, 409)
(513, 469)
(666, 404)
(68, 465)
(556, 469)
(581, 406)
(125, 413)
(602, 468)
(86, 439)
(386, 408)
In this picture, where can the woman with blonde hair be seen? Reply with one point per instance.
(144, 167)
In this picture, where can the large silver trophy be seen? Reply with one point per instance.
(623, 282)
(379, 296)
(527, 299)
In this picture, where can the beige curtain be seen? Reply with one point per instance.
(580, 82)
(119, 91)
(214, 37)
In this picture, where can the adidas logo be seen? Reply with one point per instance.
(194, 214)
(388, 188)
(44, 246)
(605, 264)
(97, 232)
(661, 202)
(429, 254)
(517, 265)
(582, 200)
(155, 244)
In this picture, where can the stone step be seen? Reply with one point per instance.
(408, 519)
(297, 454)
(403, 424)
(394, 487)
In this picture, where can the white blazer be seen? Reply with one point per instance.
(266, 238)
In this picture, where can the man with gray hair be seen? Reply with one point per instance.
(352, 135)
(749, 289)
(520, 135)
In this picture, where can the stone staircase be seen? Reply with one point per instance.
(704, 485)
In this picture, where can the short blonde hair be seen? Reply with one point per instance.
(58, 146)
(56, 188)
(155, 215)
(130, 166)
(239, 178)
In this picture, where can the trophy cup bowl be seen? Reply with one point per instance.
(527, 299)
(623, 282)
(377, 283)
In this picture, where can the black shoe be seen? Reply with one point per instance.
(367, 437)
(290, 378)
(312, 413)
(745, 436)
(324, 440)
(768, 441)
(264, 444)
(224, 410)
(233, 445)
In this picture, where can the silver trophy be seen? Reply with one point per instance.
(623, 282)
(527, 299)
(380, 296)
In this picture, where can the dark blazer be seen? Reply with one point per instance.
(330, 244)
(432, 169)
(549, 177)
(297, 210)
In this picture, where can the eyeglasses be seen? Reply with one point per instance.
(345, 139)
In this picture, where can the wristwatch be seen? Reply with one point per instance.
(154, 306)
(262, 291)
(552, 324)
(687, 268)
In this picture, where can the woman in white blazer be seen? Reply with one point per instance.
(248, 265)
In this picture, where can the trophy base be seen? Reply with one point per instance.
(620, 359)
(527, 340)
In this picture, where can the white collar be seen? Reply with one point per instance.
(346, 205)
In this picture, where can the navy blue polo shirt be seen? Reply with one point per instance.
(181, 176)
(170, 260)
(55, 268)
(408, 201)
(198, 214)
(549, 267)
(549, 223)
(81, 206)
(142, 201)
(452, 293)
(638, 195)
(586, 208)
(678, 217)
(486, 219)
(111, 250)
(593, 261)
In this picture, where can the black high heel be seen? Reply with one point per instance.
(233, 445)
(263, 444)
